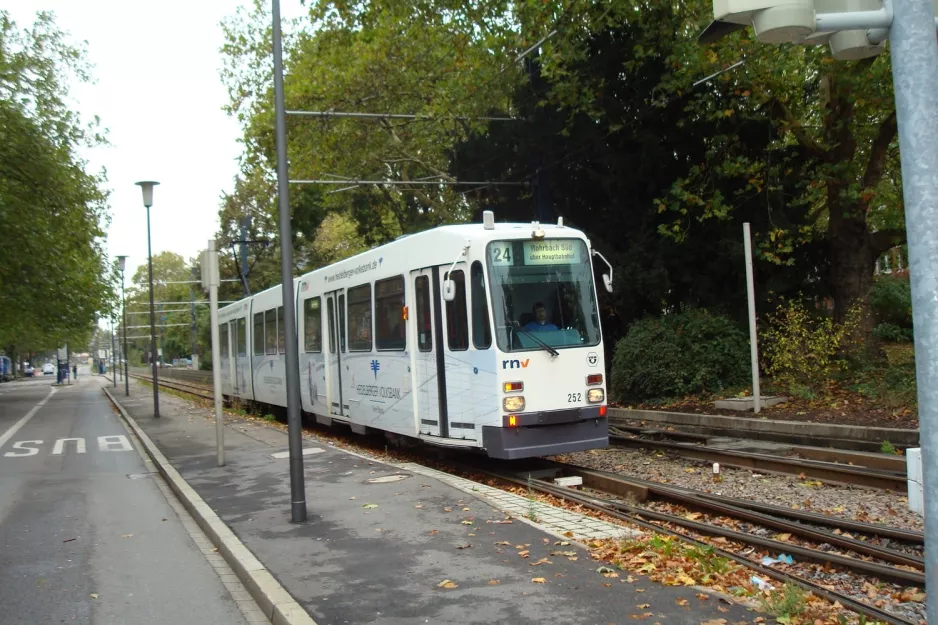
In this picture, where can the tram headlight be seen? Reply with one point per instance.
(513, 404)
(595, 395)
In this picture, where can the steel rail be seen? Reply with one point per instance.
(883, 571)
(601, 506)
(694, 500)
(762, 462)
(665, 490)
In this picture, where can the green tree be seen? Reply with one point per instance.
(450, 63)
(174, 339)
(54, 280)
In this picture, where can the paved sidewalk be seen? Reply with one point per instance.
(381, 538)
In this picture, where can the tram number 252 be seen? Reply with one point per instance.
(574, 397)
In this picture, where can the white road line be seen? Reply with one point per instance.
(29, 415)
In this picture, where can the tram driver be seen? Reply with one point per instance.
(540, 322)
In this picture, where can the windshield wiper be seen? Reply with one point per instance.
(550, 350)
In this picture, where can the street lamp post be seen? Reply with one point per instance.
(122, 260)
(147, 187)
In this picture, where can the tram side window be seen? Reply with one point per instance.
(281, 330)
(242, 337)
(481, 328)
(424, 326)
(457, 321)
(390, 332)
(330, 313)
(259, 334)
(223, 340)
(359, 318)
(312, 325)
(270, 329)
(342, 323)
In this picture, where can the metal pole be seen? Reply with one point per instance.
(113, 356)
(245, 224)
(212, 259)
(126, 359)
(753, 339)
(68, 364)
(194, 333)
(156, 386)
(297, 485)
(915, 80)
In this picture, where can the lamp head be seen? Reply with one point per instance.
(122, 263)
(147, 187)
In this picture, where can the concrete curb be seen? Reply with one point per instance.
(276, 603)
(749, 425)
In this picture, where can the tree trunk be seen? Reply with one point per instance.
(853, 257)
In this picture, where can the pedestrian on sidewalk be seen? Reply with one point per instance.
(75, 371)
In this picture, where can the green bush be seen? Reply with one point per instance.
(891, 300)
(689, 352)
(891, 332)
(804, 351)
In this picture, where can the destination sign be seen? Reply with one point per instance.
(544, 252)
(552, 252)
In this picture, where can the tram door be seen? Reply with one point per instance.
(233, 357)
(335, 302)
(428, 333)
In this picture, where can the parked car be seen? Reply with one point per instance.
(28, 371)
(48, 369)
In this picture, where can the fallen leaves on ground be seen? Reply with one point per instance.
(714, 621)
(467, 522)
(369, 506)
(538, 580)
(466, 546)
(447, 583)
(540, 562)
(94, 595)
(681, 602)
(494, 582)
(127, 535)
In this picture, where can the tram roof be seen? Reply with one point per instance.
(456, 231)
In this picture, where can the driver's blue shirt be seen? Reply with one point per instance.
(534, 326)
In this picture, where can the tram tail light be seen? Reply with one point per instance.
(515, 403)
(602, 411)
(595, 395)
(514, 386)
(512, 421)
(594, 379)
(404, 313)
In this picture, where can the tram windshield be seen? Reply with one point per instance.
(542, 294)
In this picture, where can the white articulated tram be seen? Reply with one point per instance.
(481, 336)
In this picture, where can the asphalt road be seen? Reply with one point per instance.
(86, 536)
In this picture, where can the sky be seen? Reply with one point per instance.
(159, 94)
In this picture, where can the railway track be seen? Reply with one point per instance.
(664, 523)
(199, 391)
(708, 426)
(842, 473)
